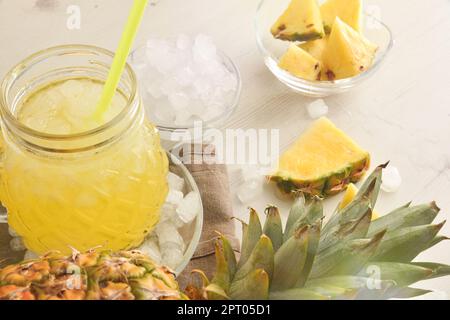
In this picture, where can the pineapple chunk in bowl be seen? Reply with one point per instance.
(273, 49)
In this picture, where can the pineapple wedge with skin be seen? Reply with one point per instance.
(300, 63)
(307, 259)
(348, 11)
(349, 195)
(347, 53)
(322, 162)
(300, 22)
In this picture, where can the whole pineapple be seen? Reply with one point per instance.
(89, 276)
(350, 257)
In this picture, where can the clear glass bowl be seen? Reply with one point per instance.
(191, 232)
(272, 49)
(172, 132)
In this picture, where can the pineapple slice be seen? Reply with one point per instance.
(315, 48)
(300, 63)
(347, 52)
(300, 22)
(348, 11)
(349, 195)
(322, 162)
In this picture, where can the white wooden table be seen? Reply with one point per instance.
(402, 114)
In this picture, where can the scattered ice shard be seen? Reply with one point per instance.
(391, 180)
(317, 109)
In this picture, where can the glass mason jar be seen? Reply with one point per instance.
(101, 187)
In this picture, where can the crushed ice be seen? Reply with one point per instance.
(183, 80)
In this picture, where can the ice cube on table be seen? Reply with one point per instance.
(317, 109)
(151, 249)
(17, 244)
(189, 207)
(175, 182)
(174, 197)
(391, 179)
(248, 191)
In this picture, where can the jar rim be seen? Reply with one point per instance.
(44, 54)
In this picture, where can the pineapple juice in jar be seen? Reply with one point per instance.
(78, 183)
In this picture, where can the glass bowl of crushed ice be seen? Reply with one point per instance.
(186, 79)
(176, 237)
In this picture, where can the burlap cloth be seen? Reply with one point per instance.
(212, 181)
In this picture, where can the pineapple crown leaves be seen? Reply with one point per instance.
(348, 257)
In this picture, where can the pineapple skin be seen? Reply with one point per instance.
(126, 275)
(329, 185)
(301, 21)
(330, 182)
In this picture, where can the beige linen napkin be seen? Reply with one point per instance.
(212, 181)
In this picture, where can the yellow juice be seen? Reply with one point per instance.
(109, 197)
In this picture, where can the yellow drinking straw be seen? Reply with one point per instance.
(120, 58)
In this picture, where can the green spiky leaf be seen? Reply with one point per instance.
(313, 245)
(273, 227)
(255, 286)
(262, 257)
(403, 245)
(405, 217)
(290, 260)
(403, 274)
(250, 236)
